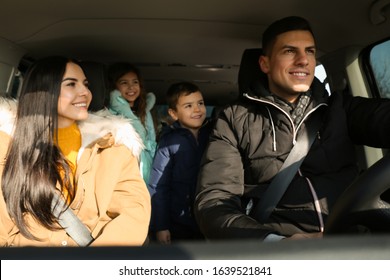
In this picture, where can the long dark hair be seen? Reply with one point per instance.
(35, 164)
(119, 69)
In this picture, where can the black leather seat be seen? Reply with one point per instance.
(96, 74)
(250, 74)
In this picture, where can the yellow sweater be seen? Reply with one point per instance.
(69, 141)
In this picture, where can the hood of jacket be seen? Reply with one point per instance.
(116, 97)
(150, 101)
(120, 106)
(96, 126)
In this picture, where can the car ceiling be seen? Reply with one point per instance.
(181, 40)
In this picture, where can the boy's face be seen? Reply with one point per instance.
(290, 65)
(190, 111)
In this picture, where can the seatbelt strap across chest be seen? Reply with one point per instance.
(281, 181)
(70, 222)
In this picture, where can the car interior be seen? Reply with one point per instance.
(216, 45)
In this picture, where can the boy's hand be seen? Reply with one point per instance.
(164, 236)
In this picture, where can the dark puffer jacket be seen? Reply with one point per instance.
(173, 180)
(249, 144)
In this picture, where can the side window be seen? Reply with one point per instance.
(7, 73)
(11, 81)
(320, 73)
(17, 84)
(380, 66)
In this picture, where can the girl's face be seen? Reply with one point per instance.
(129, 87)
(75, 96)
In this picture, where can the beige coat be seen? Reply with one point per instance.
(111, 200)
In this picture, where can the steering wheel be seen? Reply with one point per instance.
(361, 207)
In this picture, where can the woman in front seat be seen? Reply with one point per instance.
(57, 149)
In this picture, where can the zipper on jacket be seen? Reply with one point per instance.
(295, 129)
(317, 205)
(273, 130)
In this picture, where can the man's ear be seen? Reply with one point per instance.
(264, 63)
(172, 114)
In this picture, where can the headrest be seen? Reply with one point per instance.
(250, 75)
(96, 74)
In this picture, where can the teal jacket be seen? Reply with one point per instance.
(120, 106)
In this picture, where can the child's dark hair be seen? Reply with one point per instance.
(178, 89)
(281, 26)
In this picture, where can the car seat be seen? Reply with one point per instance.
(250, 75)
(96, 74)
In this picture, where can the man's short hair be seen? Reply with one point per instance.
(280, 26)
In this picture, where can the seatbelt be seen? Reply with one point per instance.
(282, 180)
(70, 222)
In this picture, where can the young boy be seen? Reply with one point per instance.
(176, 165)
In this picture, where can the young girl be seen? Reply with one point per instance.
(129, 99)
(56, 149)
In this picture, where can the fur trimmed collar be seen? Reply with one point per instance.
(96, 126)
